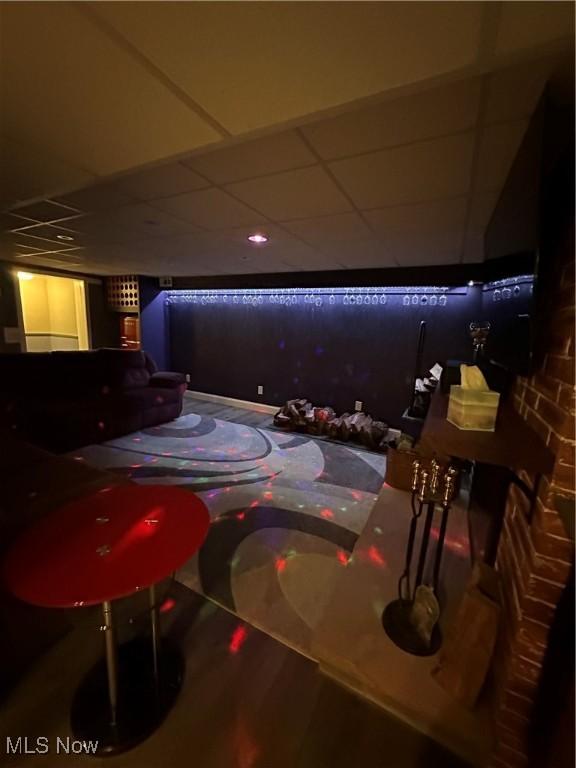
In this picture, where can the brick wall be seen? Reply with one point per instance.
(535, 557)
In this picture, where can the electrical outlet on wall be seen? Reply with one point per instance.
(260, 389)
(187, 378)
(358, 405)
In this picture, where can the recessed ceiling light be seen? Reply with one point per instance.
(25, 276)
(258, 238)
(64, 237)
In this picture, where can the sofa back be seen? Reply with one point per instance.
(73, 374)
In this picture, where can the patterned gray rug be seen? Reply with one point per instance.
(286, 512)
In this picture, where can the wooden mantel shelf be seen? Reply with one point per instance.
(513, 444)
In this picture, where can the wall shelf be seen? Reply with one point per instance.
(513, 445)
(498, 459)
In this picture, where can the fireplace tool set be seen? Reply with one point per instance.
(411, 621)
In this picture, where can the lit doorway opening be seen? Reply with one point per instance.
(53, 312)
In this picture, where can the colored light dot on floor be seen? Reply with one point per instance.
(167, 605)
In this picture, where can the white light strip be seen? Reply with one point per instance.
(507, 282)
(410, 295)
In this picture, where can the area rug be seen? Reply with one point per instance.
(286, 512)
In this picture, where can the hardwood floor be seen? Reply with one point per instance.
(247, 702)
(226, 412)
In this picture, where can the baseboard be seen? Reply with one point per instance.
(232, 401)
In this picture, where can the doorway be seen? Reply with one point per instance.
(53, 312)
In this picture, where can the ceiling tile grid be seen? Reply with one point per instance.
(404, 168)
(211, 209)
(290, 72)
(437, 112)
(83, 89)
(268, 155)
(293, 194)
(422, 171)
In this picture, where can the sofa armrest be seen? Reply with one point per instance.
(168, 379)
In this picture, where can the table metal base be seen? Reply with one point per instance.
(143, 700)
(396, 622)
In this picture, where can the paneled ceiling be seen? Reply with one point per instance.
(154, 137)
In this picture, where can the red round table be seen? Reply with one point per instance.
(94, 550)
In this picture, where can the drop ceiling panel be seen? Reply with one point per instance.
(437, 112)
(82, 90)
(498, 148)
(421, 218)
(428, 231)
(513, 93)
(97, 197)
(44, 241)
(60, 261)
(363, 254)
(44, 211)
(289, 251)
(202, 246)
(292, 195)
(114, 259)
(28, 172)
(425, 253)
(210, 208)
(527, 24)
(341, 227)
(474, 248)
(131, 221)
(424, 171)
(264, 63)
(164, 181)
(227, 256)
(7, 244)
(270, 154)
(482, 206)
(47, 231)
(312, 262)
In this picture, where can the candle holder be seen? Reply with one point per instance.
(431, 487)
(478, 332)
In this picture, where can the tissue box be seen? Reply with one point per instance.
(473, 408)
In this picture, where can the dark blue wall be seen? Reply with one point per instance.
(153, 325)
(333, 354)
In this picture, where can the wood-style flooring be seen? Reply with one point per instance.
(226, 412)
(247, 702)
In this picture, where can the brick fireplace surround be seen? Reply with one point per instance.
(536, 556)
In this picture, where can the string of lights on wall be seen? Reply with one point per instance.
(433, 296)
(510, 287)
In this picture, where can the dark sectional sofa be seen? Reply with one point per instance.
(63, 400)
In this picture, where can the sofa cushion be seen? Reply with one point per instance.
(149, 397)
(168, 379)
(150, 364)
(73, 374)
(124, 368)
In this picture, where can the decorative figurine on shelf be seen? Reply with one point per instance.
(411, 621)
(479, 334)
